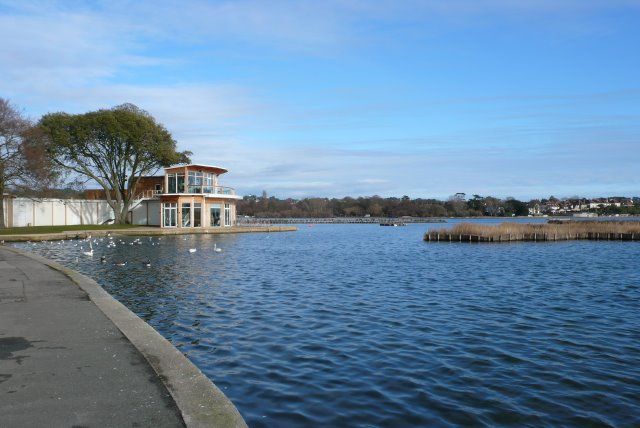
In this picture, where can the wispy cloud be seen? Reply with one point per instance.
(392, 135)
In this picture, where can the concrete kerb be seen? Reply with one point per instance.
(201, 403)
(143, 231)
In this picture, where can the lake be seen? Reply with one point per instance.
(361, 325)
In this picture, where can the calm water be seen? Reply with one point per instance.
(361, 325)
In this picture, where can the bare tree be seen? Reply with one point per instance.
(23, 162)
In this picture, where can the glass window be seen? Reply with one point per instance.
(195, 182)
(172, 183)
(197, 215)
(186, 214)
(207, 183)
(227, 215)
(180, 183)
(214, 211)
(169, 214)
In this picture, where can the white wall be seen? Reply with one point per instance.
(20, 212)
(146, 213)
(154, 213)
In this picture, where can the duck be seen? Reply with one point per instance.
(147, 263)
(121, 263)
(103, 259)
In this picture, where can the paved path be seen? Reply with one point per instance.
(63, 363)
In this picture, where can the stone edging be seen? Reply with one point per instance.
(143, 231)
(201, 403)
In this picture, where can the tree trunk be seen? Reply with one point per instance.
(121, 217)
(2, 223)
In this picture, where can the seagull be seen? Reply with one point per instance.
(192, 250)
(121, 263)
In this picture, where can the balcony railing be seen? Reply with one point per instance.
(148, 194)
(211, 190)
(195, 190)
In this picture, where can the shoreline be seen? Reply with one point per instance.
(143, 231)
(200, 402)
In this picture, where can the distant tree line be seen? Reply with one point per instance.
(458, 205)
(376, 206)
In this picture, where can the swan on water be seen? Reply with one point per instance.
(216, 249)
(90, 252)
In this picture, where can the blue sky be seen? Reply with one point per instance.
(521, 98)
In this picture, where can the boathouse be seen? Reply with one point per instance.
(185, 196)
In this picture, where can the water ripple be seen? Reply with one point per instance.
(356, 325)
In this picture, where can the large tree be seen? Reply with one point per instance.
(23, 163)
(113, 147)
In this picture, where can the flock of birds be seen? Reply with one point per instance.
(111, 242)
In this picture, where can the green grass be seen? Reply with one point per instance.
(56, 229)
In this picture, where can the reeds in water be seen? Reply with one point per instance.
(505, 232)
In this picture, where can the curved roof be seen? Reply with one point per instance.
(200, 167)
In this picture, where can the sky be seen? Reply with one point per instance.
(522, 98)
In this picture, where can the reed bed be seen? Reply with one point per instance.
(506, 232)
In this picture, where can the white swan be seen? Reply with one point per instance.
(90, 252)
(216, 249)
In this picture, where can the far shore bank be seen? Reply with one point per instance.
(142, 231)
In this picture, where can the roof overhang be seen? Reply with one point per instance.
(198, 167)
